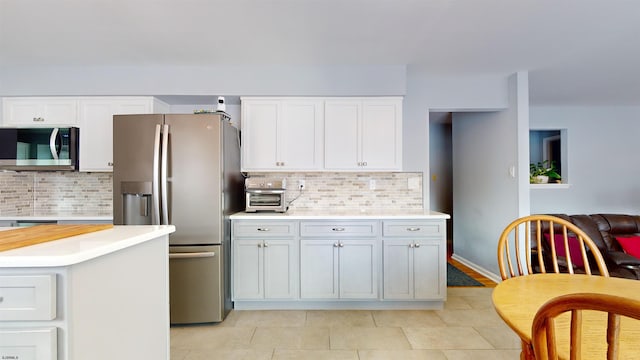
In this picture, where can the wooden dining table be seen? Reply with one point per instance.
(518, 299)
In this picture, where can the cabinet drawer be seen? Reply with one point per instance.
(264, 228)
(27, 297)
(29, 343)
(337, 228)
(413, 228)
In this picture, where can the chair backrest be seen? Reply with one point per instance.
(559, 245)
(543, 332)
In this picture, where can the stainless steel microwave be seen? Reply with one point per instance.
(39, 149)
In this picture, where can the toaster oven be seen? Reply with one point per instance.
(264, 194)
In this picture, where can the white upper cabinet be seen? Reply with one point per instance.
(363, 134)
(96, 126)
(281, 134)
(322, 134)
(39, 112)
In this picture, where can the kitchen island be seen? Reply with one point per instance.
(374, 259)
(100, 295)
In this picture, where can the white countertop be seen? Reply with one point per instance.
(57, 217)
(76, 249)
(377, 214)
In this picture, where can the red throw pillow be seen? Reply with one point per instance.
(574, 248)
(630, 244)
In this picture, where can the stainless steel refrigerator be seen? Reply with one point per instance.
(183, 170)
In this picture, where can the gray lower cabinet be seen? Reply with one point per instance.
(366, 262)
(265, 261)
(414, 258)
(339, 260)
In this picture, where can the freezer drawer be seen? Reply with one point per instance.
(195, 283)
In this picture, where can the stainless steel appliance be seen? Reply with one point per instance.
(183, 170)
(264, 194)
(40, 149)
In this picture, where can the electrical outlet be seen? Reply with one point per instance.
(301, 184)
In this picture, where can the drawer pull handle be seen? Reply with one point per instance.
(337, 229)
(413, 229)
(263, 229)
(38, 119)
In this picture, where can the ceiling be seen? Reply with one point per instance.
(576, 51)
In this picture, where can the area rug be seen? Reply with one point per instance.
(455, 277)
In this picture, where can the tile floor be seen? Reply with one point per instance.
(467, 328)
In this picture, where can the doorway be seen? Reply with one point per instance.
(441, 168)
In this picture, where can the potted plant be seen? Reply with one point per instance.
(543, 172)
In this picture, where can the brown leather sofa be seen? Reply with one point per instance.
(603, 230)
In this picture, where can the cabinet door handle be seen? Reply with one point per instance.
(413, 229)
(263, 229)
(338, 229)
(340, 245)
(364, 163)
(336, 244)
(259, 245)
(266, 244)
(110, 163)
(411, 246)
(417, 245)
(38, 119)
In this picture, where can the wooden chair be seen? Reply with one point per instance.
(530, 227)
(543, 332)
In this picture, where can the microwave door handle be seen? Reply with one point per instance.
(163, 175)
(156, 177)
(52, 143)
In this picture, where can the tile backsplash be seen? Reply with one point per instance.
(90, 194)
(352, 191)
(55, 193)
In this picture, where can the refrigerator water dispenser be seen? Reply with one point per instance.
(136, 203)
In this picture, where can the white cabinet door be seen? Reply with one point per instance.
(319, 269)
(39, 112)
(300, 135)
(265, 269)
(398, 269)
(428, 267)
(358, 269)
(248, 274)
(260, 134)
(363, 134)
(280, 269)
(413, 269)
(381, 135)
(96, 127)
(345, 269)
(281, 134)
(341, 129)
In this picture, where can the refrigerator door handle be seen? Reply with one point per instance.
(156, 177)
(163, 174)
(192, 255)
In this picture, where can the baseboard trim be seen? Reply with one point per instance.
(479, 269)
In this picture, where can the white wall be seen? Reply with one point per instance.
(485, 196)
(436, 92)
(602, 160)
(200, 80)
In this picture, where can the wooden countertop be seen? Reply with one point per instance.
(27, 236)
